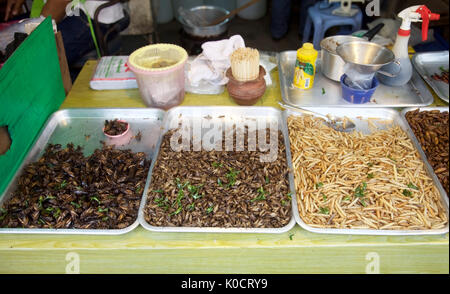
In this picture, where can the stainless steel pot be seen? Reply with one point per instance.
(207, 14)
(332, 65)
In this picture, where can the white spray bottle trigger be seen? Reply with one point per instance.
(409, 15)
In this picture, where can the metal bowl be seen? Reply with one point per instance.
(209, 14)
(332, 65)
(365, 57)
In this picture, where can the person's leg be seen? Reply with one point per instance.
(281, 10)
(76, 36)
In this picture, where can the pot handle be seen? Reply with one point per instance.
(392, 75)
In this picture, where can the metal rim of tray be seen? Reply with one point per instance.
(405, 126)
(418, 87)
(185, 229)
(424, 75)
(51, 123)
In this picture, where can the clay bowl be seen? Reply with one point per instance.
(246, 93)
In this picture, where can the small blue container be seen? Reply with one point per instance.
(357, 96)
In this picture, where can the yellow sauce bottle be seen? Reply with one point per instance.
(305, 67)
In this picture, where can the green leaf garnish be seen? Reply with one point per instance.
(95, 199)
(324, 210)
(102, 209)
(210, 209)
(231, 177)
(370, 176)
(75, 204)
(412, 186)
(217, 164)
(179, 209)
(360, 191)
(319, 185)
(407, 193)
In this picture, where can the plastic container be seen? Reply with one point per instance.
(305, 67)
(254, 11)
(357, 96)
(165, 12)
(160, 74)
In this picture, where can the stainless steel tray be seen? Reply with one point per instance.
(83, 127)
(238, 115)
(428, 64)
(359, 116)
(403, 114)
(415, 93)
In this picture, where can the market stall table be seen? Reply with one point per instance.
(141, 251)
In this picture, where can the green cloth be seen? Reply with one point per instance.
(36, 8)
(31, 89)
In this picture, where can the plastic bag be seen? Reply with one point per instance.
(356, 79)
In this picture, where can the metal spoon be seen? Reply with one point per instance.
(333, 122)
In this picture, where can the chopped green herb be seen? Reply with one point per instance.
(49, 197)
(210, 209)
(323, 196)
(57, 213)
(95, 199)
(363, 203)
(162, 202)
(267, 180)
(138, 190)
(289, 195)
(63, 184)
(158, 191)
(407, 193)
(319, 185)
(284, 202)
(49, 209)
(102, 209)
(105, 218)
(179, 185)
(370, 164)
(179, 209)
(191, 206)
(323, 91)
(412, 186)
(370, 176)
(360, 191)
(41, 221)
(219, 182)
(291, 235)
(261, 196)
(231, 177)
(75, 204)
(324, 210)
(40, 201)
(347, 198)
(217, 164)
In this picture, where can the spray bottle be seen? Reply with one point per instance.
(401, 70)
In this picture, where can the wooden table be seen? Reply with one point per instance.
(141, 251)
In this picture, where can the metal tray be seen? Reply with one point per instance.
(359, 116)
(328, 93)
(403, 114)
(238, 115)
(83, 127)
(428, 64)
